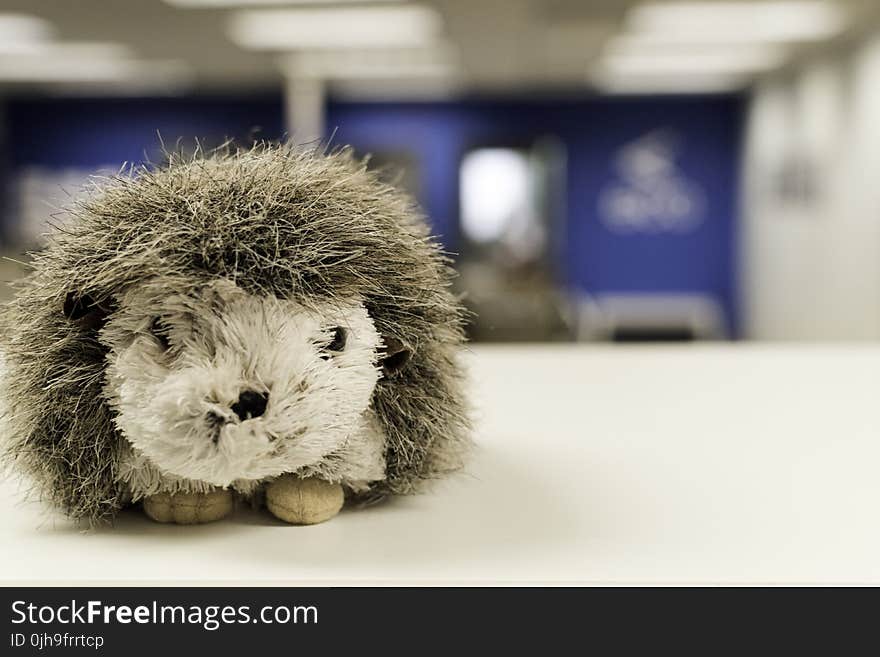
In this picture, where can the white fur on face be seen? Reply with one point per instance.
(175, 401)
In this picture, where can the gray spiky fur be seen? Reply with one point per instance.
(293, 222)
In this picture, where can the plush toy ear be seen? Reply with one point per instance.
(82, 308)
(396, 356)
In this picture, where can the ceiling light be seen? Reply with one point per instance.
(96, 49)
(66, 69)
(622, 54)
(76, 60)
(51, 69)
(796, 20)
(21, 30)
(698, 62)
(668, 84)
(337, 27)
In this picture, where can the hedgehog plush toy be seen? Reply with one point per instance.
(273, 324)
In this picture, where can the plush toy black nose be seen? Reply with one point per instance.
(250, 404)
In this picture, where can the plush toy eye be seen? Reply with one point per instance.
(337, 344)
(159, 330)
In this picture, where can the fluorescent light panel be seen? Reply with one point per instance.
(66, 61)
(28, 54)
(23, 29)
(687, 64)
(667, 83)
(337, 27)
(718, 59)
(13, 69)
(804, 20)
(686, 45)
(86, 69)
(80, 49)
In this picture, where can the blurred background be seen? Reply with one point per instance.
(603, 170)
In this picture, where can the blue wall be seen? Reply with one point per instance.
(594, 258)
(88, 133)
(94, 132)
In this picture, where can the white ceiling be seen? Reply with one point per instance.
(499, 44)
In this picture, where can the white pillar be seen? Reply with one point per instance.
(304, 109)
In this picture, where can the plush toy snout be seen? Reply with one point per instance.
(250, 404)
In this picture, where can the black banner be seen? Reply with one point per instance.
(253, 621)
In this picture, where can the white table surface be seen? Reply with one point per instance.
(691, 464)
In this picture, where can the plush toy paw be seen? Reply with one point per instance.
(189, 508)
(303, 501)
